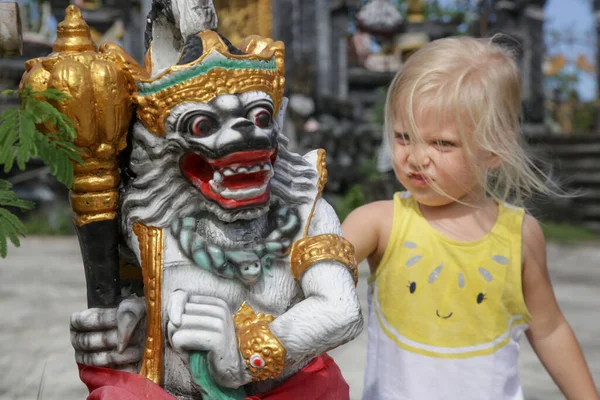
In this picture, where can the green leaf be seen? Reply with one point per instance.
(11, 228)
(20, 140)
(7, 92)
(9, 198)
(2, 243)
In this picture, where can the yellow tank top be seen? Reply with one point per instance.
(458, 299)
(446, 317)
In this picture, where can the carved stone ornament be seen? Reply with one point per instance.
(187, 178)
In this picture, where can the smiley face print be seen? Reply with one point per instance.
(448, 308)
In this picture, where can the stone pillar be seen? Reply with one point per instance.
(339, 53)
(597, 22)
(323, 47)
(523, 21)
(11, 37)
(533, 76)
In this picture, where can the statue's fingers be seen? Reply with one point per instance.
(131, 355)
(205, 310)
(202, 323)
(209, 301)
(176, 306)
(194, 340)
(94, 319)
(94, 341)
(129, 314)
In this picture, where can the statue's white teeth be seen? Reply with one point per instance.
(218, 177)
(215, 186)
(242, 194)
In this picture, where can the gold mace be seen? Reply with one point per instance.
(99, 84)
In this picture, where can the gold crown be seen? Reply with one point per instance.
(261, 68)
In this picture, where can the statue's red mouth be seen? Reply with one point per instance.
(236, 180)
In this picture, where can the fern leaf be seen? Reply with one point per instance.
(50, 94)
(3, 244)
(10, 227)
(9, 198)
(10, 219)
(14, 238)
(7, 92)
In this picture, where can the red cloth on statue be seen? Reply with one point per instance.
(110, 384)
(321, 379)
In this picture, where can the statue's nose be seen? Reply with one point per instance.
(243, 126)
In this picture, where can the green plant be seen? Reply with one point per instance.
(22, 139)
(566, 233)
(353, 198)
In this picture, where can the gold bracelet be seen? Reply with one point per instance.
(263, 352)
(309, 250)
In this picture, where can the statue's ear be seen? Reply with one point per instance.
(281, 114)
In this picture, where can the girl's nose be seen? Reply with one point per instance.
(418, 156)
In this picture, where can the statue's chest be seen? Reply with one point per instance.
(273, 291)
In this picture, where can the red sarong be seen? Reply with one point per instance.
(321, 379)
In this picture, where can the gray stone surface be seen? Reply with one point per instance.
(42, 283)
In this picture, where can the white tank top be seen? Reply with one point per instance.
(445, 317)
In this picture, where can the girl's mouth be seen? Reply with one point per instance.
(418, 180)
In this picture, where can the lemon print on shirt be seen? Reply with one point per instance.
(445, 309)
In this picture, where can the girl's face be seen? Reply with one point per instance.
(438, 158)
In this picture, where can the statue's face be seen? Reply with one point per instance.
(229, 147)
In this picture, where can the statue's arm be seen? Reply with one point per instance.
(330, 314)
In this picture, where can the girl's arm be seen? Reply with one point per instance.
(550, 334)
(361, 228)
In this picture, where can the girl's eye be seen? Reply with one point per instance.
(201, 126)
(444, 143)
(402, 138)
(261, 117)
(412, 286)
(481, 297)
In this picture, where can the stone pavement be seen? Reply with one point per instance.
(42, 283)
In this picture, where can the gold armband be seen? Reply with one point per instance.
(263, 352)
(309, 250)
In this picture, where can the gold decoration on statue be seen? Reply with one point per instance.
(261, 69)
(415, 11)
(312, 249)
(151, 247)
(99, 84)
(263, 352)
(241, 18)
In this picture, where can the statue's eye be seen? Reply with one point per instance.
(261, 117)
(201, 126)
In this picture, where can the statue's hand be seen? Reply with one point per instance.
(110, 337)
(204, 323)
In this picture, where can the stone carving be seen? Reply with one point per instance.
(188, 179)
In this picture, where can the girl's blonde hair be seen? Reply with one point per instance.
(475, 84)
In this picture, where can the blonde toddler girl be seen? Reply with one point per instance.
(458, 273)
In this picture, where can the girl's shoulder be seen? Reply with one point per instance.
(373, 212)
